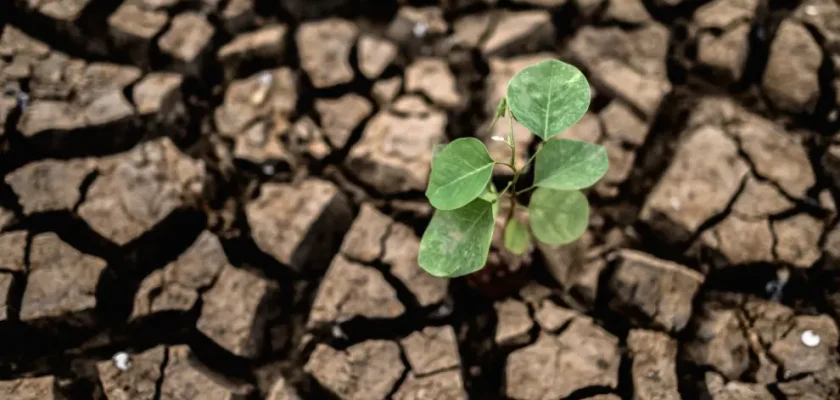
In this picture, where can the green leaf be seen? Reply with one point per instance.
(517, 237)
(436, 151)
(500, 109)
(558, 216)
(460, 172)
(567, 164)
(457, 242)
(548, 97)
(489, 193)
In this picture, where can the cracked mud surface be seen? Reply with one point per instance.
(205, 199)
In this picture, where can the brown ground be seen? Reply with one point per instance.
(230, 194)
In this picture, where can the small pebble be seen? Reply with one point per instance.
(420, 29)
(811, 10)
(676, 204)
(810, 339)
(121, 361)
(338, 333)
(268, 170)
(774, 289)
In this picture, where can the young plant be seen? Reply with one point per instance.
(547, 98)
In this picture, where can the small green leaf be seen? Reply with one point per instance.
(517, 237)
(457, 242)
(489, 194)
(548, 97)
(460, 173)
(500, 110)
(567, 164)
(558, 216)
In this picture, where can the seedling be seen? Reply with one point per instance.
(547, 98)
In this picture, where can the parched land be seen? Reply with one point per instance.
(223, 199)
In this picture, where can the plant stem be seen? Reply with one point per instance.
(505, 190)
(526, 190)
(512, 184)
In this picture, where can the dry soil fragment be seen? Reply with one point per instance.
(723, 43)
(620, 166)
(13, 251)
(62, 281)
(364, 241)
(49, 185)
(775, 154)
(797, 355)
(417, 24)
(722, 14)
(823, 16)
(719, 342)
(14, 42)
(375, 54)
(391, 161)
(817, 386)
(740, 240)
(366, 371)
(324, 48)
(553, 367)
(352, 290)
(282, 390)
(468, 29)
(296, 224)
(514, 322)
(725, 54)
(5, 284)
(42, 388)
(573, 270)
(265, 44)
(432, 77)
(621, 123)
(760, 199)
(659, 291)
(643, 49)
(519, 32)
(447, 385)
(341, 116)
(137, 189)
(552, 317)
(176, 286)
(139, 381)
(797, 240)
(236, 311)
(791, 80)
(432, 350)
(108, 108)
(627, 11)
(643, 92)
(49, 115)
(269, 95)
(654, 367)
(134, 28)
(384, 91)
(186, 378)
(187, 40)
(734, 390)
(156, 92)
(7, 218)
(306, 137)
(401, 250)
(702, 179)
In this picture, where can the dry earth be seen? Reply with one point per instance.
(223, 199)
